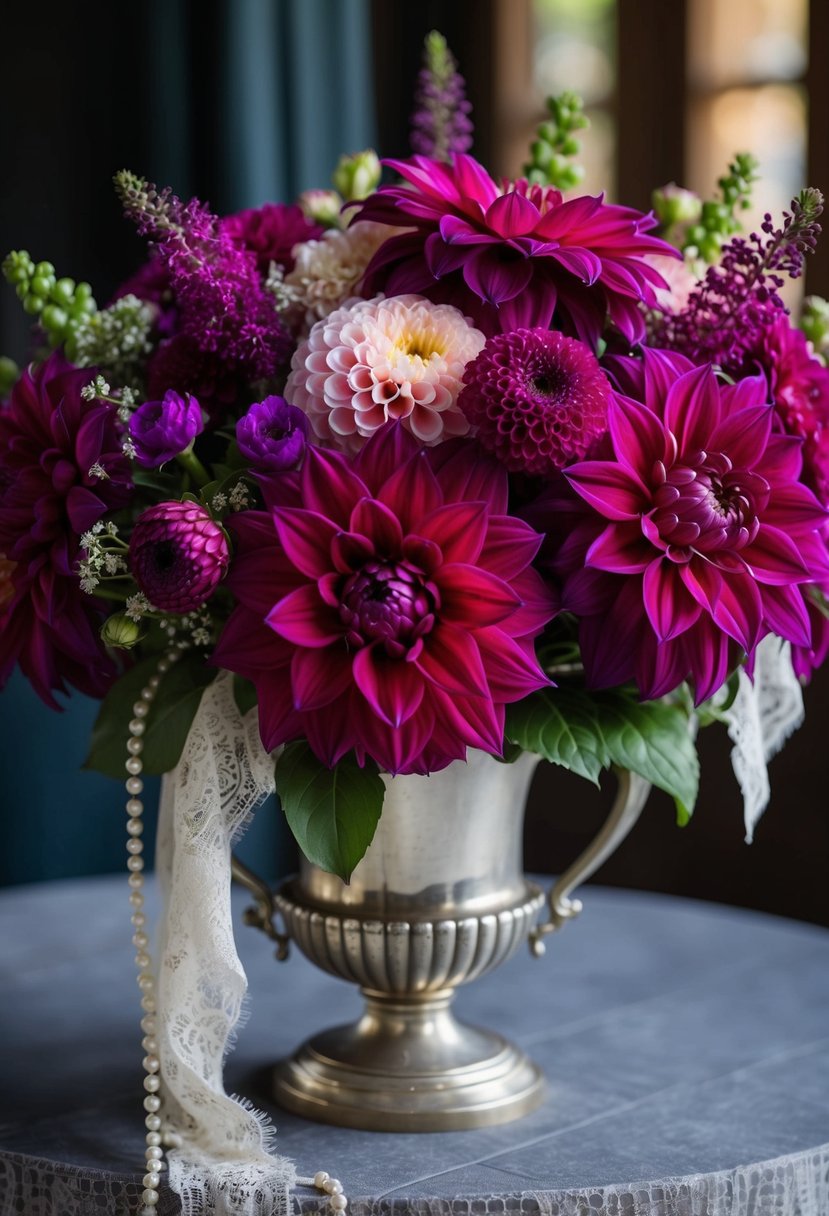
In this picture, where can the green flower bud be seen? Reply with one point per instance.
(9, 371)
(674, 205)
(32, 304)
(119, 631)
(814, 322)
(40, 286)
(63, 291)
(321, 206)
(710, 247)
(54, 320)
(356, 176)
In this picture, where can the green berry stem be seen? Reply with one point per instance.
(62, 306)
(555, 144)
(719, 220)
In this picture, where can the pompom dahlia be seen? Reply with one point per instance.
(387, 607)
(512, 258)
(270, 232)
(54, 448)
(178, 555)
(697, 533)
(537, 399)
(382, 360)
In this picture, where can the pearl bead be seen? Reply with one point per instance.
(173, 656)
(140, 709)
(135, 807)
(320, 1179)
(136, 898)
(135, 863)
(147, 694)
(137, 726)
(145, 981)
(135, 785)
(154, 682)
(134, 765)
(135, 846)
(153, 1138)
(153, 1122)
(150, 1197)
(152, 1084)
(148, 1004)
(154, 1153)
(151, 1063)
(152, 1181)
(142, 959)
(152, 1103)
(333, 1187)
(135, 746)
(148, 1025)
(338, 1202)
(135, 880)
(163, 666)
(138, 919)
(135, 827)
(140, 940)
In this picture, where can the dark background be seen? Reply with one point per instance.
(240, 102)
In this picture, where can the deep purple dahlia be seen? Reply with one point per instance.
(697, 536)
(515, 257)
(800, 389)
(537, 399)
(271, 435)
(270, 232)
(178, 555)
(61, 470)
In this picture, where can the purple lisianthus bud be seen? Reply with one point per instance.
(160, 430)
(271, 435)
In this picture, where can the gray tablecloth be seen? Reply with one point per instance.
(686, 1046)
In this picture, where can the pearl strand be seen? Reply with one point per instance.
(154, 1161)
(329, 1186)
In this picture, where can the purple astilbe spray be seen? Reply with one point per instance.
(223, 305)
(726, 317)
(440, 123)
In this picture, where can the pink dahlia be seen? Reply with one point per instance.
(61, 470)
(511, 258)
(376, 361)
(270, 232)
(386, 605)
(697, 535)
(537, 400)
(800, 389)
(178, 555)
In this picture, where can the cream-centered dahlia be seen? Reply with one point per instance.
(326, 272)
(384, 359)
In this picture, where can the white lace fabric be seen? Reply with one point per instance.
(225, 1165)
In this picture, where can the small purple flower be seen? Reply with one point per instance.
(160, 430)
(271, 435)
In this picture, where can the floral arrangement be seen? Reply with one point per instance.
(429, 465)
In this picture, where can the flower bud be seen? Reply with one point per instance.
(9, 372)
(161, 430)
(321, 206)
(271, 435)
(119, 631)
(814, 322)
(674, 205)
(356, 176)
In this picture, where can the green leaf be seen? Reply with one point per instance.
(333, 813)
(555, 724)
(167, 724)
(244, 694)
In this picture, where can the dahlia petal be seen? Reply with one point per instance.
(422, 554)
(710, 664)
(474, 719)
(626, 315)
(692, 408)
(782, 459)
(662, 368)
(512, 215)
(412, 492)
(750, 392)
(530, 309)
(83, 508)
(306, 537)
(774, 557)
(454, 230)
(661, 666)
(562, 221)
(620, 549)
(392, 687)
(468, 474)
(459, 528)
(588, 593)
(787, 615)
(473, 181)
(671, 610)
(795, 507)
(739, 611)
(472, 597)
(303, 618)
(512, 669)
(319, 677)
(329, 485)
(332, 734)
(246, 646)
(278, 721)
(743, 435)
(493, 279)
(580, 262)
(539, 604)
(451, 659)
(508, 549)
(374, 519)
(442, 258)
(384, 453)
(349, 550)
(639, 438)
(406, 749)
(704, 581)
(614, 491)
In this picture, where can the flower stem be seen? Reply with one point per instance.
(189, 461)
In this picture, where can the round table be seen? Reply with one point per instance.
(686, 1047)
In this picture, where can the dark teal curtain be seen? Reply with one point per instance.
(238, 101)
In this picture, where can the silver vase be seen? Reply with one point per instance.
(439, 899)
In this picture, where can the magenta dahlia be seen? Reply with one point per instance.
(800, 389)
(697, 535)
(387, 604)
(270, 232)
(61, 470)
(537, 399)
(513, 258)
(178, 555)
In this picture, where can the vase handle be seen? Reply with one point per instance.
(262, 914)
(630, 799)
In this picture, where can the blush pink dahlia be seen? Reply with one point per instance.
(376, 361)
(53, 446)
(537, 399)
(178, 555)
(386, 605)
(513, 258)
(698, 535)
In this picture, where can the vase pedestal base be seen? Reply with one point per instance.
(408, 1066)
